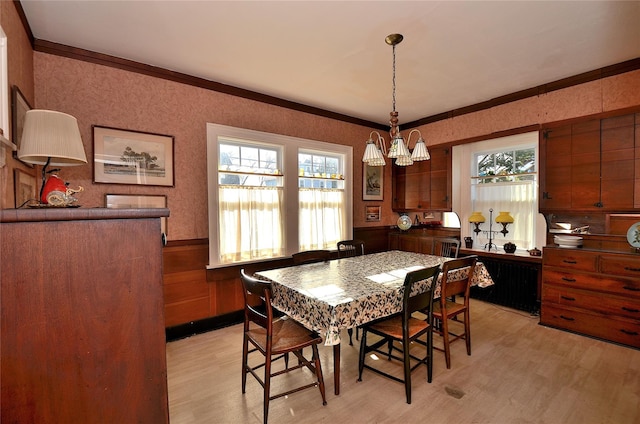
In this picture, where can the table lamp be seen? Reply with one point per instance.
(505, 219)
(476, 218)
(51, 138)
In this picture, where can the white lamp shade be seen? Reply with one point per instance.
(50, 134)
(398, 149)
(420, 152)
(372, 155)
(404, 161)
(378, 162)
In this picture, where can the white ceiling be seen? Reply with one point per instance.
(332, 54)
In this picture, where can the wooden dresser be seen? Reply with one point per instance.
(596, 293)
(82, 316)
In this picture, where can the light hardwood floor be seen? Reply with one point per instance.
(518, 372)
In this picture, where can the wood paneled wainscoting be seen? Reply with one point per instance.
(197, 299)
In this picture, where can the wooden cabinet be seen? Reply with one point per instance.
(425, 185)
(440, 178)
(617, 168)
(591, 165)
(593, 293)
(412, 186)
(82, 316)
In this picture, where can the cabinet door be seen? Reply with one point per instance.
(585, 165)
(411, 186)
(636, 203)
(399, 182)
(440, 179)
(618, 162)
(556, 190)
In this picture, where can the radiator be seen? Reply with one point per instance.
(516, 285)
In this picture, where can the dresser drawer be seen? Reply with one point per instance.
(592, 301)
(628, 266)
(571, 259)
(602, 283)
(618, 330)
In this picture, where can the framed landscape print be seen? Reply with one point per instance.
(132, 157)
(138, 201)
(24, 185)
(372, 179)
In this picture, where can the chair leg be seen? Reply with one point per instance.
(267, 387)
(467, 331)
(245, 353)
(316, 360)
(363, 344)
(445, 341)
(430, 355)
(390, 347)
(407, 371)
(350, 331)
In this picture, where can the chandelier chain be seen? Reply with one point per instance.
(394, 78)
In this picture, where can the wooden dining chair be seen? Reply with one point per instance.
(446, 246)
(274, 338)
(311, 256)
(455, 284)
(400, 330)
(349, 248)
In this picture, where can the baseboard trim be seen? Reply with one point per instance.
(202, 326)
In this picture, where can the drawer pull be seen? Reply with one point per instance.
(630, 333)
(567, 261)
(628, 268)
(568, 298)
(635, 289)
(570, 280)
(567, 318)
(624, 308)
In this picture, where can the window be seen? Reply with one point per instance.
(321, 200)
(500, 174)
(505, 180)
(272, 195)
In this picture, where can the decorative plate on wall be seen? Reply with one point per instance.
(633, 235)
(404, 222)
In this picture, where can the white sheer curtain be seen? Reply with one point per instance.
(321, 223)
(250, 223)
(516, 198)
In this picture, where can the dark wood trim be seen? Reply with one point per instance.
(203, 326)
(25, 22)
(503, 256)
(189, 242)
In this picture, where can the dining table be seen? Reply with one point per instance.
(339, 294)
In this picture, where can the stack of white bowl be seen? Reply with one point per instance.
(568, 241)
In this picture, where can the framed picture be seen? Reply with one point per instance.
(24, 185)
(136, 201)
(372, 179)
(372, 213)
(132, 157)
(19, 108)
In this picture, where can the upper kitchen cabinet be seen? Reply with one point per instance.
(637, 158)
(617, 170)
(591, 165)
(425, 185)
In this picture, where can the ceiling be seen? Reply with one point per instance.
(332, 54)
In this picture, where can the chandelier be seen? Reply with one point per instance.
(398, 149)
